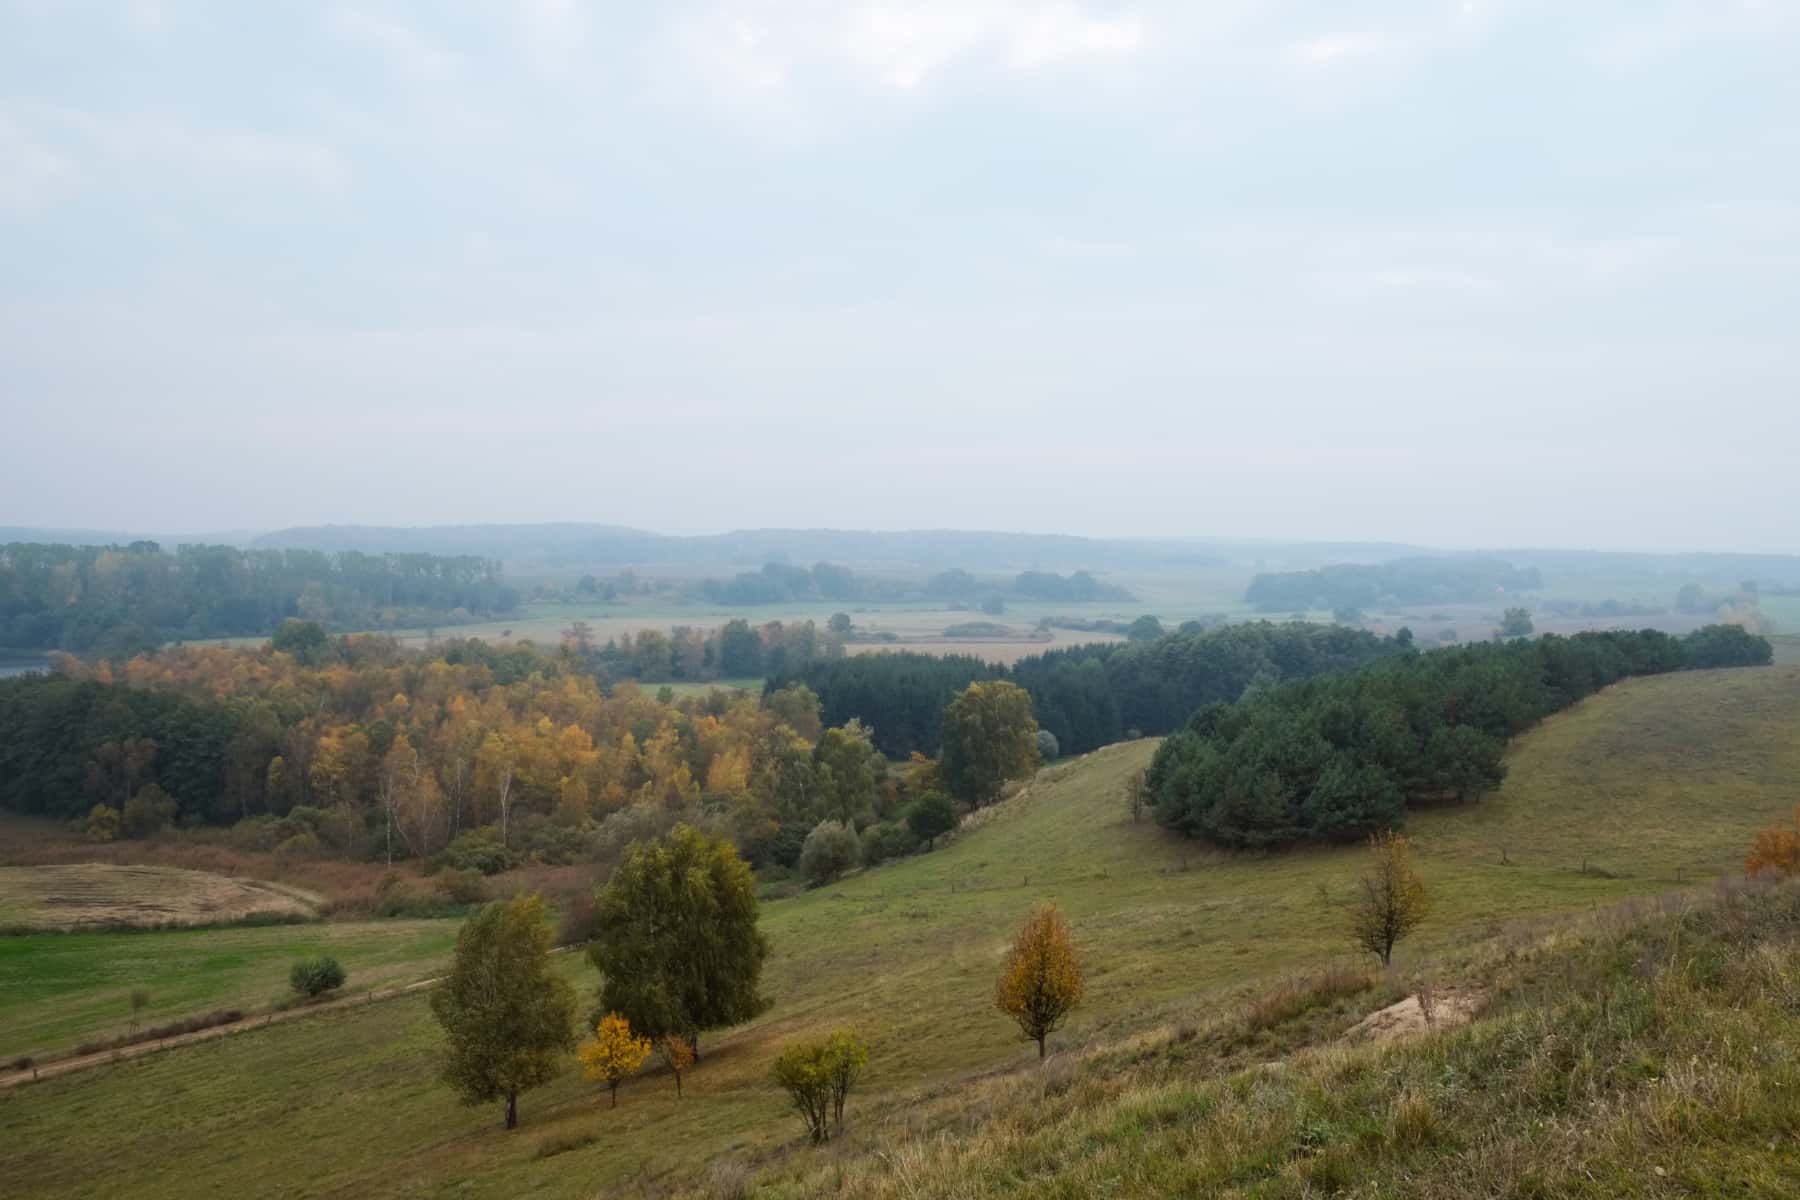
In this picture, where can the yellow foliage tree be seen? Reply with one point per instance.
(678, 1054)
(1775, 850)
(613, 1053)
(1041, 979)
(1390, 898)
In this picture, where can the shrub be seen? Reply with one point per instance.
(313, 977)
(301, 845)
(580, 923)
(1775, 850)
(890, 839)
(149, 812)
(462, 886)
(788, 842)
(1048, 750)
(102, 824)
(562, 1143)
(398, 899)
(830, 850)
(818, 1076)
(476, 850)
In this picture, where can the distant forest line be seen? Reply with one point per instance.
(111, 601)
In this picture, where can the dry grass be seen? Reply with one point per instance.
(1640, 1054)
(99, 896)
(335, 885)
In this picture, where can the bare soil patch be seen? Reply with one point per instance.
(1409, 1017)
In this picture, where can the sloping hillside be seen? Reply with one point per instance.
(1652, 784)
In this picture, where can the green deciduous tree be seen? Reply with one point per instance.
(1390, 899)
(930, 817)
(508, 1016)
(679, 951)
(990, 736)
(846, 771)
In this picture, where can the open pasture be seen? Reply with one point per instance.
(1650, 786)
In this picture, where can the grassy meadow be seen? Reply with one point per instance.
(60, 989)
(1654, 784)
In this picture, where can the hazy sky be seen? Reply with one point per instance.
(1475, 273)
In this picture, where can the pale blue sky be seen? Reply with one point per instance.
(1472, 273)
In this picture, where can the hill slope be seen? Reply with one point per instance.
(1654, 783)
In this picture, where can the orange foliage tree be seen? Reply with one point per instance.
(1776, 850)
(678, 1054)
(1041, 979)
(613, 1053)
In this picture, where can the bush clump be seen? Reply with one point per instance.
(461, 886)
(891, 839)
(831, 849)
(477, 851)
(313, 977)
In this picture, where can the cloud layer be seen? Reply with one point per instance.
(1469, 273)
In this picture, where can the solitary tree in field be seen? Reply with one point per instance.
(1041, 979)
(678, 950)
(677, 1055)
(1516, 622)
(613, 1053)
(989, 737)
(1390, 899)
(508, 1016)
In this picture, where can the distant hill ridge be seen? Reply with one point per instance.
(600, 545)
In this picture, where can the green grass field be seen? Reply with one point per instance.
(1652, 784)
(57, 990)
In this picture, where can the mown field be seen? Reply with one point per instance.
(74, 896)
(1652, 785)
(60, 989)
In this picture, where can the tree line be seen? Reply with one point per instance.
(686, 654)
(1087, 696)
(1353, 587)
(1339, 757)
(781, 583)
(115, 600)
(473, 756)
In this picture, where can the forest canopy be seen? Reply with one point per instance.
(1336, 758)
(1087, 696)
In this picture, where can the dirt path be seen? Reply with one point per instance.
(64, 1066)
